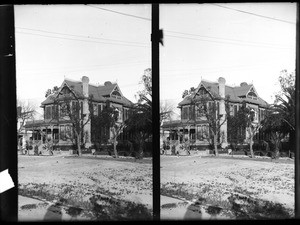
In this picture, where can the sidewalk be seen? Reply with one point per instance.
(176, 209)
(31, 209)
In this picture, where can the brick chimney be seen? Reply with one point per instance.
(85, 86)
(222, 82)
(222, 112)
(87, 128)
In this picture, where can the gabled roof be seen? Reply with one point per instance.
(236, 94)
(100, 93)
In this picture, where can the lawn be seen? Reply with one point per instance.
(103, 187)
(241, 188)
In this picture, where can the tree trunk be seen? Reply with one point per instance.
(277, 139)
(141, 149)
(251, 147)
(216, 144)
(141, 146)
(250, 132)
(115, 147)
(78, 145)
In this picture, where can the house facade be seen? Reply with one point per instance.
(193, 126)
(60, 130)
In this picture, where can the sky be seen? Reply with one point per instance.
(102, 42)
(242, 42)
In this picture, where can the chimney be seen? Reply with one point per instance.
(222, 113)
(243, 84)
(85, 86)
(222, 81)
(107, 83)
(86, 112)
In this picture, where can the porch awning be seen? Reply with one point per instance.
(42, 123)
(181, 124)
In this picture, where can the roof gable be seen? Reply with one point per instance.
(100, 93)
(236, 94)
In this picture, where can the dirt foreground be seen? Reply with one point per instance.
(99, 187)
(227, 188)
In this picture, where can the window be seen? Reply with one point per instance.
(62, 132)
(99, 108)
(235, 110)
(203, 92)
(95, 110)
(54, 112)
(231, 110)
(48, 112)
(255, 111)
(252, 94)
(68, 132)
(63, 109)
(185, 112)
(75, 107)
(200, 110)
(55, 134)
(116, 94)
(119, 110)
(125, 114)
(191, 112)
(202, 132)
(261, 114)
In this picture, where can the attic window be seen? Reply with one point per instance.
(65, 90)
(203, 92)
(116, 94)
(252, 95)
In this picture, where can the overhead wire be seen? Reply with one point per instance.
(222, 42)
(253, 14)
(72, 39)
(81, 36)
(121, 13)
(226, 39)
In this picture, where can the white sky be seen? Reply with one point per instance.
(237, 46)
(112, 47)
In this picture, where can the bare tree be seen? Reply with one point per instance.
(68, 108)
(25, 111)
(207, 109)
(166, 110)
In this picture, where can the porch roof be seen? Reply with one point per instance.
(179, 123)
(43, 123)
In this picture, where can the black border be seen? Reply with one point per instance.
(8, 141)
(155, 38)
(297, 153)
(8, 120)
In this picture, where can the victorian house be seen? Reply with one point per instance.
(60, 131)
(194, 127)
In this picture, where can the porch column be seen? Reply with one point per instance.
(189, 132)
(178, 134)
(58, 127)
(52, 132)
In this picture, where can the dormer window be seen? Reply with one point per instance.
(252, 94)
(116, 94)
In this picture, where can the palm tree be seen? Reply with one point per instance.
(139, 123)
(285, 103)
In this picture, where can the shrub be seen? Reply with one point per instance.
(173, 149)
(36, 150)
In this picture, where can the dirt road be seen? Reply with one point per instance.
(216, 179)
(78, 179)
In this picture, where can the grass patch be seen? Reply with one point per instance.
(29, 206)
(240, 204)
(96, 207)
